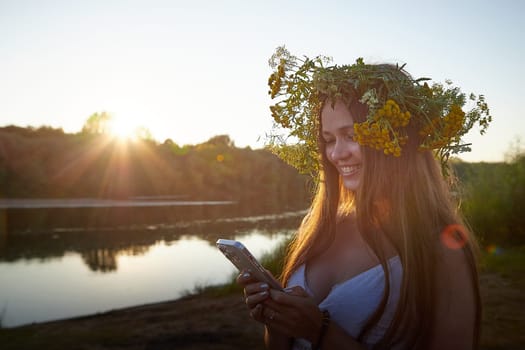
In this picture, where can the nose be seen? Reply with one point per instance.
(341, 150)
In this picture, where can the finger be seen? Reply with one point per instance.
(296, 291)
(285, 320)
(269, 315)
(281, 308)
(282, 297)
(273, 277)
(253, 288)
(275, 321)
(289, 298)
(257, 313)
(257, 298)
(244, 278)
(285, 317)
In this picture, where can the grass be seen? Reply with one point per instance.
(273, 261)
(503, 280)
(216, 290)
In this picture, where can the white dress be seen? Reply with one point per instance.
(353, 301)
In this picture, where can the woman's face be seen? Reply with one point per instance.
(341, 149)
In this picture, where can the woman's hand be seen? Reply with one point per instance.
(289, 314)
(255, 293)
(293, 313)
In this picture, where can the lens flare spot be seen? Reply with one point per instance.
(493, 249)
(454, 236)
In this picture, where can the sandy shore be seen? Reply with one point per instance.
(209, 321)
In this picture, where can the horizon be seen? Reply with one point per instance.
(119, 141)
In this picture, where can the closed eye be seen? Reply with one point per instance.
(328, 140)
(347, 137)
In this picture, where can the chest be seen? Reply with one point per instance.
(336, 266)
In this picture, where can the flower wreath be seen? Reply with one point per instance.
(395, 102)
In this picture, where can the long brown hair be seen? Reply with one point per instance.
(405, 200)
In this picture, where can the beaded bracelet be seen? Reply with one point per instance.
(322, 332)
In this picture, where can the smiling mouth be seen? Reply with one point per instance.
(349, 170)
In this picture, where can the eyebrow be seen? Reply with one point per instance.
(341, 129)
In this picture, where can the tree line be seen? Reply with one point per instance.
(49, 163)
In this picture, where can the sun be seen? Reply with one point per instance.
(123, 129)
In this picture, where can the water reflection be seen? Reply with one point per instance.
(100, 249)
(57, 263)
(102, 260)
(33, 290)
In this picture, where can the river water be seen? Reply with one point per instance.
(61, 268)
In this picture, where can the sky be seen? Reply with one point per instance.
(191, 70)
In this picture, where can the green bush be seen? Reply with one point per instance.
(493, 200)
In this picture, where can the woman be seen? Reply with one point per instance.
(382, 260)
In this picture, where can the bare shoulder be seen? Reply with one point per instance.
(454, 267)
(456, 301)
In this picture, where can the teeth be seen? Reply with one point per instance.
(349, 170)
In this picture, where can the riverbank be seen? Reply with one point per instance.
(216, 318)
(202, 321)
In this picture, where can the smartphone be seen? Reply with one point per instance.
(241, 257)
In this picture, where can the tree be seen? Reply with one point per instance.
(221, 140)
(97, 123)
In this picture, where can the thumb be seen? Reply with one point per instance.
(297, 291)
